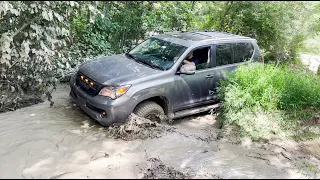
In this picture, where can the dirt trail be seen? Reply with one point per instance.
(62, 142)
(312, 62)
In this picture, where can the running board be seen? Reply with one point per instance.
(192, 111)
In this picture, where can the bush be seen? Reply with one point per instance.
(260, 100)
(32, 36)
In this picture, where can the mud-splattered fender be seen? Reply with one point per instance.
(159, 87)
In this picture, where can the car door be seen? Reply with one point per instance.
(227, 57)
(193, 90)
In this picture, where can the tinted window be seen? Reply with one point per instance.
(224, 54)
(242, 52)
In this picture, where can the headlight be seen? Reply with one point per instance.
(114, 92)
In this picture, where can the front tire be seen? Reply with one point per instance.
(150, 110)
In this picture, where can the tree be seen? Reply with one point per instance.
(32, 33)
(271, 23)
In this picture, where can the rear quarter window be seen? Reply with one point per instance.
(224, 54)
(233, 53)
(242, 52)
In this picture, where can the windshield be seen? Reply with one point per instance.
(157, 53)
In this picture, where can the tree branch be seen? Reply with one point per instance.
(223, 18)
(6, 81)
(21, 28)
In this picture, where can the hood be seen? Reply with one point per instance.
(115, 70)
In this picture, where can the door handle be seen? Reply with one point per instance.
(209, 76)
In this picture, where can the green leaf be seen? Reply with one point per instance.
(45, 15)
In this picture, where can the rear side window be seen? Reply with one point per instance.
(224, 54)
(242, 52)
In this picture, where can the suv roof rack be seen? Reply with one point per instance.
(228, 33)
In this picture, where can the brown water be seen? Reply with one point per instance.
(63, 142)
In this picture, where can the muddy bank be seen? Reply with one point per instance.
(11, 104)
(63, 142)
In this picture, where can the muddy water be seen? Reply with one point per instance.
(62, 142)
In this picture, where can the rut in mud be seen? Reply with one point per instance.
(63, 142)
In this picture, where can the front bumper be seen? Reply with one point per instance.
(117, 111)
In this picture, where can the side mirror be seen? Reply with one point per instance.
(188, 69)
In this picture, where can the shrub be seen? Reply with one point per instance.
(32, 35)
(260, 100)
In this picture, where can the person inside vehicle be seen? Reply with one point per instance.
(191, 59)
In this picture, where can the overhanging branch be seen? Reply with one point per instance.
(22, 27)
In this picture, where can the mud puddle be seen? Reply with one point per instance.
(63, 142)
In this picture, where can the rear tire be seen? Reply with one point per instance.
(150, 110)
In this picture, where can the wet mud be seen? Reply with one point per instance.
(63, 142)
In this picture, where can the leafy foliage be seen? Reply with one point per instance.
(273, 24)
(312, 29)
(31, 35)
(117, 26)
(262, 100)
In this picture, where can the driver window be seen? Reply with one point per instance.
(201, 57)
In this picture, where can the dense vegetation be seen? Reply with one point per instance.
(43, 41)
(268, 100)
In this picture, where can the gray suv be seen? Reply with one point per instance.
(153, 81)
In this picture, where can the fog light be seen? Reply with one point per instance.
(103, 113)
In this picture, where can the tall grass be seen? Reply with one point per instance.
(266, 100)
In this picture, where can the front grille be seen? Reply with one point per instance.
(91, 90)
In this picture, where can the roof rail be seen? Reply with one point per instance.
(210, 30)
(200, 34)
(228, 33)
(226, 38)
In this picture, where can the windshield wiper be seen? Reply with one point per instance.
(153, 66)
(130, 56)
(141, 61)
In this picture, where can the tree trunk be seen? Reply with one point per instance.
(223, 17)
(88, 14)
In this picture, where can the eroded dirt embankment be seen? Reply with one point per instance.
(62, 142)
